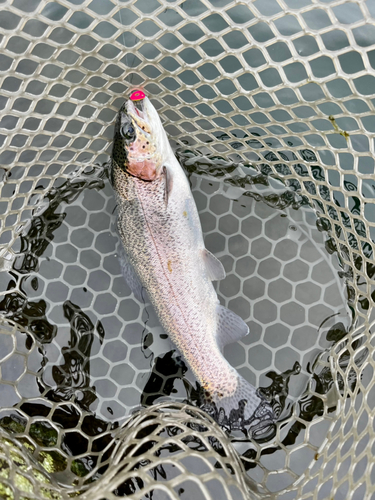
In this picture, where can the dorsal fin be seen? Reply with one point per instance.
(230, 327)
(215, 268)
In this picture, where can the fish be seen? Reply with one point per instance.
(164, 258)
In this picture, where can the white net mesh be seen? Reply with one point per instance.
(271, 103)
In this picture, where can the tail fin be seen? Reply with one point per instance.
(246, 409)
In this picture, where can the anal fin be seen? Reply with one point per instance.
(215, 268)
(230, 327)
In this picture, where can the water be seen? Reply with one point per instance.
(88, 346)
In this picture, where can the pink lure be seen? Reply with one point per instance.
(137, 95)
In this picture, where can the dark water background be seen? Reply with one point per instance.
(89, 347)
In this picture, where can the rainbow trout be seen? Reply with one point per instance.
(165, 255)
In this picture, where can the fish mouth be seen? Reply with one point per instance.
(136, 108)
(141, 119)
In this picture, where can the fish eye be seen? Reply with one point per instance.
(127, 131)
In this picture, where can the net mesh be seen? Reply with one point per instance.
(270, 105)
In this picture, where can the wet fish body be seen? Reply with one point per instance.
(164, 254)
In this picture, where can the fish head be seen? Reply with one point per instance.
(140, 145)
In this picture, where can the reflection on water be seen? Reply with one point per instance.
(165, 370)
(73, 376)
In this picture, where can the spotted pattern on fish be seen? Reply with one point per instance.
(154, 251)
(166, 249)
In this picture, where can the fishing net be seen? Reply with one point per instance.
(269, 105)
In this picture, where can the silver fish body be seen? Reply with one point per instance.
(162, 238)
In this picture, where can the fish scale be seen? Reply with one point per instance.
(145, 230)
(162, 238)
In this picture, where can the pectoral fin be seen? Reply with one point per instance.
(168, 184)
(230, 327)
(214, 267)
(130, 276)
